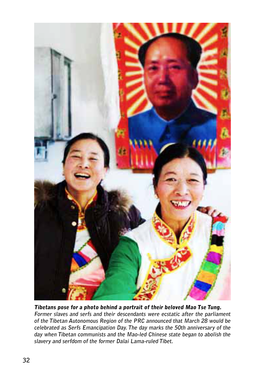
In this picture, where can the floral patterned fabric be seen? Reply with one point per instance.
(87, 271)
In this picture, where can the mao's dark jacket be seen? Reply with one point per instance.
(56, 219)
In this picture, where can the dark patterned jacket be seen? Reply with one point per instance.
(56, 219)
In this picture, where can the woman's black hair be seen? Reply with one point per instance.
(177, 150)
(88, 135)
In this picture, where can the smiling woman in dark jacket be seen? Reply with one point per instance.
(78, 223)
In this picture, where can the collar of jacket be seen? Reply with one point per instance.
(116, 200)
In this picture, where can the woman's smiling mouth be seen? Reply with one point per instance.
(180, 204)
(82, 176)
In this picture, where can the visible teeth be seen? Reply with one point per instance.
(80, 175)
(181, 203)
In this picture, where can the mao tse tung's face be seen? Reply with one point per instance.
(169, 76)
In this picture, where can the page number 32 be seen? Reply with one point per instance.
(26, 360)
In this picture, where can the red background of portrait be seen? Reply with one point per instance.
(212, 92)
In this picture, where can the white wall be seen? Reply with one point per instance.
(81, 43)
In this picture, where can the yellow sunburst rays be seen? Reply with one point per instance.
(169, 27)
(166, 28)
(135, 64)
(210, 52)
(213, 82)
(134, 32)
(205, 63)
(131, 110)
(174, 27)
(130, 54)
(205, 102)
(210, 41)
(205, 31)
(203, 88)
(146, 29)
(208, 90)
(138, 90)
(212, 92)
(156, 28)
(134, 92)
(193, 29)
(206, 67)
(134, 81)
(209, 57)
(132, 73)
(131, 43)
(183, 28)
(203, 69)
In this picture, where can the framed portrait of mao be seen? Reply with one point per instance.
(173, 87)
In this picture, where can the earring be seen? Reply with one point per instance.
(156, 196)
